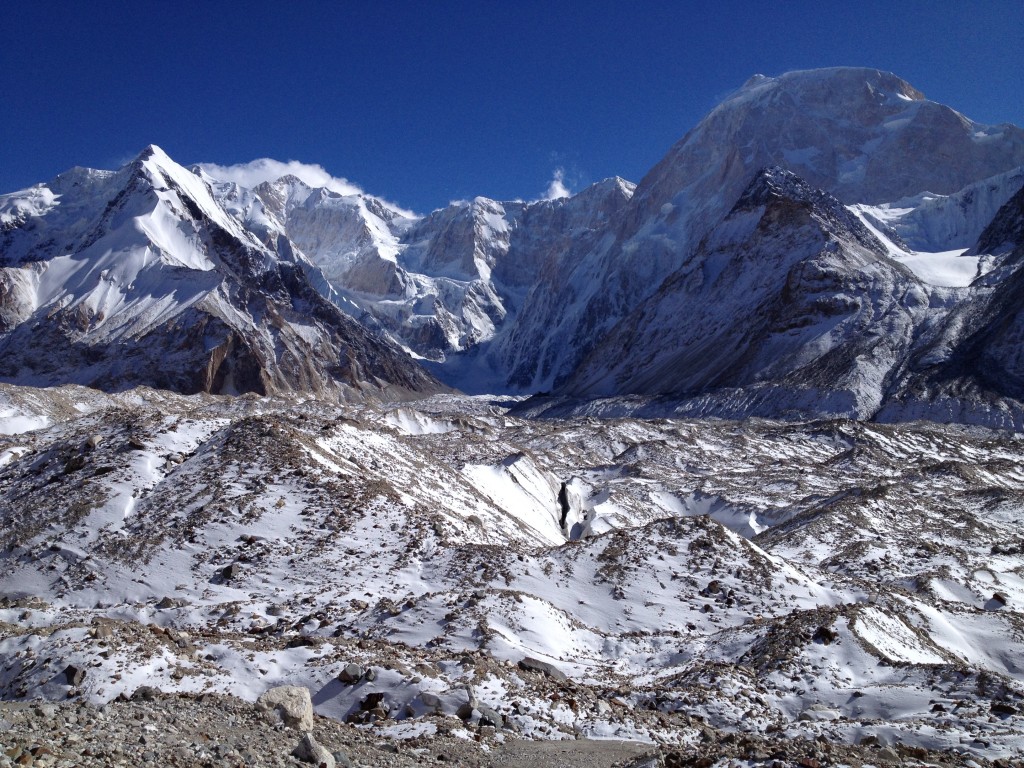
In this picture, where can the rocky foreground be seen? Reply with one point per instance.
(454, 578)
(212, 730)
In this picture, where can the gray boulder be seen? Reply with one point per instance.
(310, 752)
(351, 673)
(74, 675)
(536, 665)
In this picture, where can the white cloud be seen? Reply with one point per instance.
(557, 188)
(256, 172)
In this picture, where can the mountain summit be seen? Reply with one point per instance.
(863, 135)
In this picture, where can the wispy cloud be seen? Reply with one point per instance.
(316, 176)
(557, 188)
(265, 169)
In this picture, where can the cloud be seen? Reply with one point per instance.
(557, 188)
(256, 172)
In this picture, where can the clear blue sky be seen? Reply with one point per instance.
(424, 102)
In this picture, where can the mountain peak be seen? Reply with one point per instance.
(863, 135)
(152, 150)
(755, 80)
(153, 155)
(859, 81)
(613, 184)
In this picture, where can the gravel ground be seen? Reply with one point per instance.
(168, 730)
(226, 731)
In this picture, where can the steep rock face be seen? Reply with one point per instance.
(142, 278)
(352, 238)
(789, 293)
(454, 301)
(1005, 233)
(472, 268)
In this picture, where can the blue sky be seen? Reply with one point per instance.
(425, 102)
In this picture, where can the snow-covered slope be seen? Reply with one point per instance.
(139, 276)
(973, 369)
(934, 223)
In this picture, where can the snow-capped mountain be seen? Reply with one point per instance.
(789, 292)
(139, 276)
(862, 135)
(798, 306)
(447, 286)
(810, 247)
(827, 248)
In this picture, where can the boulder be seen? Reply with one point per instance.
(290, 704)
(171, 602)
(889, 755)
(431, 702)
(488, 717)
(536, 665)
(825, 635)
(351, 673)
(818, 713)
(310, 752)
(232, 571)
(74, 675)
(1003, 708)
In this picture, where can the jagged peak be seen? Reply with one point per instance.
(153, 152)
(613, 184)
(289, 179)
(777, 182)
(777, 185)
(154, 163)
(154, 159)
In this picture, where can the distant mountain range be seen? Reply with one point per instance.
(823, 243)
